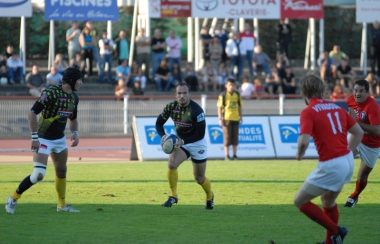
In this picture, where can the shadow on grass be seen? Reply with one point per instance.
(151, 223)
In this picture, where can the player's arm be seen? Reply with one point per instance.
(73, 125)
(355, 138)
(368, 128)
(38, 106)
(200, 131)
(161, 120)
(303, 143)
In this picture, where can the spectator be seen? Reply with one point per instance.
(346, 74)
(176, 74)
(273, 83)
(79, 63)
(9, 52)
(337, 55)
(158, 47)
(191, 77)
(174, 45)
(72, 38)
(249, 41)
(373, 84)
(137, 90)
(261, 60)
(136, 75)
(375, 47)
(259, 88)
(284, 37)
(215, 52)
(143, 50)
(3, 70)
(223, 37)
(337, 94)
(35, 82)
(60, 64)
(209, 76)
(123, 71)
(94, 35)
(15, 69)
(247, 89)
(325, 63)
(121, 47)
(236, 50)
(288, 81)
(282, 62)
(106, 48)
(53, 78)
(206, 40)
(121, 89)
(87, 43)
(223, 75)
(163, 76)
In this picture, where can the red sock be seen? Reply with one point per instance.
(333, 214)
(316, 214)
(359, 188)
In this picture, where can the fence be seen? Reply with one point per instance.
(104, 117)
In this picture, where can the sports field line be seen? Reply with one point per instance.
(70, 149)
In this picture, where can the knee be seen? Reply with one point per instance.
(38, 173)
(199, 179)
(297, 202)
(61, 171)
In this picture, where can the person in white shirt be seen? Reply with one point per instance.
(236, 51)
(53, 78)
(247, 89)
(174, 45)
(249, 40)
(143, 51)
(15, 69)
(106, 47)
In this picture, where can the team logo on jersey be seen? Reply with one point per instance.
(363, 115)
(248, 133)
(201, 117)
(153, 138)
(43, 97)
(289, 133)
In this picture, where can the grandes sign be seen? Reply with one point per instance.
(81, 10)
(302, 9)
(367, 11)
(15, 8)
(248, 9)
(286, 130)
(254, 137)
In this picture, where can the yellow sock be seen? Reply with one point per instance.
(15, 196)
(207, 188)
(173, 180)
(60, 187)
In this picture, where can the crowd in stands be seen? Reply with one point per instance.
(158, 61)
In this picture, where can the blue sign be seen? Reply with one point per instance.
(95, 10)
(153, 138)
(248, 134)
(5, 4)
(289, 133)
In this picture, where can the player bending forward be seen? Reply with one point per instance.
(190, 125)
(328, 124)
(56, 104)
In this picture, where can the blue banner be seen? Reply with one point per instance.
(81, 10)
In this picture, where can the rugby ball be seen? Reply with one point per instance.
(168, 144)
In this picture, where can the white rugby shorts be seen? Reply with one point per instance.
(368, 155)
(332, 174)
(197, 150)
(49, 146)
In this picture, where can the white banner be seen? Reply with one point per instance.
(255, 139)
(367, 11)
(285, 130)
(232, 9)
(15, 8)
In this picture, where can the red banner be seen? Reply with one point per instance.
(175, 9)
(301, 9)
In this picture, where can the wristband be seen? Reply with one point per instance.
(75, 133)
(34, 136)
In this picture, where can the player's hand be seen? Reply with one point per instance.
(35, 146)
(162, 140)
(352, 113)
(75, 140)
(221, 122)
(241, 121)
(355, 152)
(179, 143)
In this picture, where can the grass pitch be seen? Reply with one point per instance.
(253, 204)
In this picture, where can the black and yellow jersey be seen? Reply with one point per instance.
(55, 106)
(189, 121)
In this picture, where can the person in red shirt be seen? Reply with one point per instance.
(365, 110)
(249, 41)
(328, 124)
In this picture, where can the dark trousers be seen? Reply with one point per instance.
(375, 57)
(87, 54)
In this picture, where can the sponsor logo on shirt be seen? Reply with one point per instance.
(201, 151)
(153, 138)
(43, 97)
(65, 114)
(43, 146)
(201, 117)
(64, 99)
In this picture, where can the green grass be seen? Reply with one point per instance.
(253, 204)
